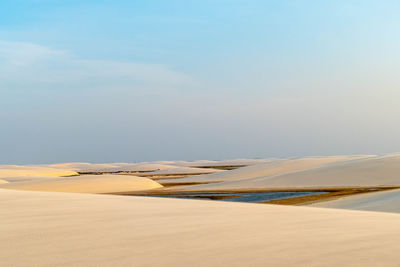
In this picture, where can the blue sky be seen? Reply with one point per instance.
(161, 80)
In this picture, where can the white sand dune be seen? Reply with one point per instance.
(387, 201)
(185, 170)
(78, 165)
(15, 170)
(70, 168)
(211, 163)
(63, 229)
(155, 168)
(87, 184)
(139, 167)
(380, 171)
(267, 169)
(89, 167)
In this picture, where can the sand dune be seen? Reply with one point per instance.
(153, 168)
(88, 167)
(149, 166)
(3, 181)
(267, 169)
(211, 163)
(138, 167)
(185, 170)
(80, 165)
(14, 171)
(62, 229)
(381, 171)
(87, 184)
(387, 201)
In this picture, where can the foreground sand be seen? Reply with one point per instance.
(65, 229)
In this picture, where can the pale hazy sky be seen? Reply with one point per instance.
(106, 81)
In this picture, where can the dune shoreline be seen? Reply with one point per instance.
(329, 194)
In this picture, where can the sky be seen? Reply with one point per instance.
(128, 81)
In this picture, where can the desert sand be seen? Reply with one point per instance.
(377, 171)
(86, 184)
(270, 168)
(15, 170)
(185, 170)
(12, 179)
(214, 163)
(65, 229)
(89, 228)
(387, 201)
(135, 167)
(79, 166)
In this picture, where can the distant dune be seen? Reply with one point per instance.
(185, 170)
(387, 201)
(87, 184)
(213, 163)
(378, 171)
(102, 167)
(15, 170)
(160, 167)
(62, 229)
(135, 167)
(78, 166)
(267, 169)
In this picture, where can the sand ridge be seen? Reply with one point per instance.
(86, 184)
(15, 170)
(387, 201)
(137, 167)
(269, 169)
(211, 163)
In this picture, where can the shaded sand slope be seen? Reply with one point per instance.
(383, 171)
(15, 170)
(388, 201)
(87, 184)
(266, 169)
(27, 178)
(63, 229)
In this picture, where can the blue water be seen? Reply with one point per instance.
(242, 197)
